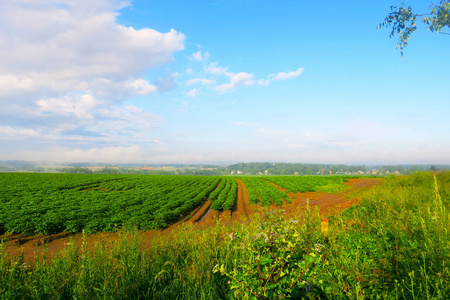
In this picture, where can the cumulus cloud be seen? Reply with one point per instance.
(80, 118)
(288, 75)
(67, 46)
(200, 56)
(280, 76)
(240, 79)
(79, 106)
(217, 70)
(141, 86)
(264, 82)
(236, 80)
(67, 67)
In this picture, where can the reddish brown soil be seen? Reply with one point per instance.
(328, 204)
(202, 217)
(243, 210)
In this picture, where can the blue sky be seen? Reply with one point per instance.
(219, 82)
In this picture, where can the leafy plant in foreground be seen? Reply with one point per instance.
(276, 263)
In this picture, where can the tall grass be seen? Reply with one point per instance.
(394, 245)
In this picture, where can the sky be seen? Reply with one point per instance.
(212, 81)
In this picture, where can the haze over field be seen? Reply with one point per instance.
(219, 82)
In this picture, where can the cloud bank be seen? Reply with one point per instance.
(67, 67)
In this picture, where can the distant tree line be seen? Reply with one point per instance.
(255, 168)
(18, 165)
(325, 169)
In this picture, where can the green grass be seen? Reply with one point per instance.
(394, 245)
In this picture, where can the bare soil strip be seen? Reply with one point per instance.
(243, 209)
(202, 217)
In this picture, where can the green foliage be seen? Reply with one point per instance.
(403, 21)
(225, 196)
(172, 269)
(398, 240)
(260, 191)
(275, 263)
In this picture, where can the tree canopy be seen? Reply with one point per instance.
(403, 21)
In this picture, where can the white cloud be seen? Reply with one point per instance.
(65, 47)
(80, 106)
(264, 82)
(242, 78)
(79, 118)
(280, 76)
(199, 56)
(236, 80)
(193, 93)
(288, 75)
(67, 65)
(141, 86)
(214, 69)
(8, 132)
(202, 81)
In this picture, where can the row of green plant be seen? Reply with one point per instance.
(394, 245)
(225, 196)
(52, 203)
(260, 191)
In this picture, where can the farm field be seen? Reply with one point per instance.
(53, 203)
(393, 245)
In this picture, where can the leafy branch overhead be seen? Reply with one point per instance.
(403, 20)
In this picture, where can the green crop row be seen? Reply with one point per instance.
(225, 196)
(51, 203)
(260, 191)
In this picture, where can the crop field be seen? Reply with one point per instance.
(52, 203)
(393, 245)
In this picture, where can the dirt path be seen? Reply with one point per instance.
(243, 209)
(201, 217)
